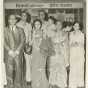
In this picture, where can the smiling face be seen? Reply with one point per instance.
(12, 20)
(76, 26)
(37, 25)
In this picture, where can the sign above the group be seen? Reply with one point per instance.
(24, 5)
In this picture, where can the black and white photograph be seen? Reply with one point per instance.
(44, 44)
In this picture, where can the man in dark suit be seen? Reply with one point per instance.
(14, 40)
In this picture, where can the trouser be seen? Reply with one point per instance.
(28, 68)
(14, 73)
(47, 68)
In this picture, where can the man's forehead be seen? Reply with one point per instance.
(12, 16)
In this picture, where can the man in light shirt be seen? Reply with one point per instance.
(27, 28)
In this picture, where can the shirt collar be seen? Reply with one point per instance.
(12, 27)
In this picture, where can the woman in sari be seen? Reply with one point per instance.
(40, 52)
(58, 74)
(76, 77)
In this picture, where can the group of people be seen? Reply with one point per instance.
(42, 52)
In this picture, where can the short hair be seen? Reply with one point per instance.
(37, 20)
(8, 17)
(12, 15)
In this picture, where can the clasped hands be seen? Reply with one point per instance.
(13, 54)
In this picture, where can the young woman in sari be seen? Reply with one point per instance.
(76, 77)
(40, 52)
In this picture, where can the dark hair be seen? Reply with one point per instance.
(69, 24)
(80, 25)
(37, 20)
(46, 15)
(65, 24)
(53, 19)
(28, 16)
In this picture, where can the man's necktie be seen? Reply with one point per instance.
(13, 34)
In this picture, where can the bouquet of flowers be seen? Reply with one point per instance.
(28, 49)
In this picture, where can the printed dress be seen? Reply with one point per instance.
(58, 75)
(76, 78)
